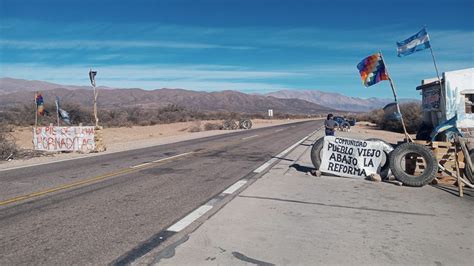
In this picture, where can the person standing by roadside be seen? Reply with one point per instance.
(330, 125)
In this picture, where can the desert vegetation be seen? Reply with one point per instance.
(126, 117)
(8, 147)
(411, 114)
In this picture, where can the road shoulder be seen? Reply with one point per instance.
(290, 217)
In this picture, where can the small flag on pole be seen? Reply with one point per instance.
(417, 42)
(62, 113)
(92, 75)
(40, 104)
(372, 70)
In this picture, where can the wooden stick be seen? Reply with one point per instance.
(57, 110)
(460, 186)
(396, 100)
(36, 111)
(451, 174)
(467, 158)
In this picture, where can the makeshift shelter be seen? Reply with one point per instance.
(454, 96)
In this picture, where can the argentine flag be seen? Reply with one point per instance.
(417, 42)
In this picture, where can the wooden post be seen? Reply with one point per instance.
(396, 100)
(57, 110)
(95, 108)
(460, 185)
(96, 93)
(36, 111)
(434, 62)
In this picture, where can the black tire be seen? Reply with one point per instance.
(385, 169)
(229, 124)
(469, 173)
(316, 152)
(245, 124)
(431, 167)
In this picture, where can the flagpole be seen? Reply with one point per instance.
(436, 68)
(36, 111)
(57, 110)
(396, 100)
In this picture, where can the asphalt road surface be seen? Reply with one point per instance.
(94, 210)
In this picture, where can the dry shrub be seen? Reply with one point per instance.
(375, 116)
(196, 127)
(212, 126)
(8, 147)
(126, 117)
(412, 116)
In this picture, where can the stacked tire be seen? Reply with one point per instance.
(230, 124)
(245, 123)
(412, 152)
(385, 164)
(394, 160)
(316, 155)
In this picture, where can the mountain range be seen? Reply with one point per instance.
(336, 100)
(14, 92)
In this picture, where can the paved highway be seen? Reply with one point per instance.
(96, 210)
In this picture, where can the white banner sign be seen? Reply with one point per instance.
(351, 157)
(270, 112)
(64, 138)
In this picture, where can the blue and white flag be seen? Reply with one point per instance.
(417, 42)
(62, 113)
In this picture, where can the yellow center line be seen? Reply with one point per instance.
(86, 181)
(124, 171)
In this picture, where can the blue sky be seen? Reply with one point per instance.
(250, 46)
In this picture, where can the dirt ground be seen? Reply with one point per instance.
(117, 137)
(371, 130)
(126, 138)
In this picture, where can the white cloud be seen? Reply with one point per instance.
(195, 77)
(94, 45)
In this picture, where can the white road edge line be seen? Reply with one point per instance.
(188, 219)
(235, 187)
(283, 153)
(139, 165)
(264, 166)
(281, 129)
(160, 160)
(172, 157)
(249, 137)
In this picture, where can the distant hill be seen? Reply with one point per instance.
(18, 92)
(9, 85)
(336, 100)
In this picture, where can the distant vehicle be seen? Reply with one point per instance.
(352, 121)
(343, 123)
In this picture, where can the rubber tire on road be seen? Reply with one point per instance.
(431, 167)
(230, 124)
(386, 166)
(316, 152)
(245, 124)
(468, 171)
